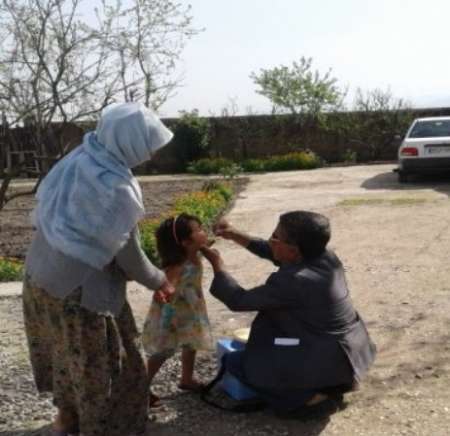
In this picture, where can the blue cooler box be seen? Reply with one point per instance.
(229, 383)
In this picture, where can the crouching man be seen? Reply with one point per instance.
(307, 343)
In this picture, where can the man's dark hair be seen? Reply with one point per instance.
(309, 231)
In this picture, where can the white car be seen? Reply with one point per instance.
(426, 148)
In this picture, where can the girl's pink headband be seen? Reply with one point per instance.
(174, 230)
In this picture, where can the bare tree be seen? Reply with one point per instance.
(56, 68)
(376, 119)
(149, 38)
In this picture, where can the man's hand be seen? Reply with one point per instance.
(214, 258)
(224, 229)
(165, 293)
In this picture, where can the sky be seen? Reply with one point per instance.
(401, 45)
(398, 44)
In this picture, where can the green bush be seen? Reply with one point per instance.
(224, 189)
(206, 205)
(10, 270)
(350, 156)
(192, 137)
(209, 166)
(296, 160)
(230, 172)
(147, 229)
(253, 165)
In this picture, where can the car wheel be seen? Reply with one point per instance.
(402, 177)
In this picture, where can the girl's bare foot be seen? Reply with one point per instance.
(191, 385)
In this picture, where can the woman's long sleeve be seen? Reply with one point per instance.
(132, 260)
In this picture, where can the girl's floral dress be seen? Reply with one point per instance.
(181, 323)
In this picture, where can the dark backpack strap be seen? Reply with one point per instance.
(244, 406)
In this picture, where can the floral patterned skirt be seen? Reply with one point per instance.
(90, 362)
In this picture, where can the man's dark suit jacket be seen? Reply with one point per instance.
(308, 301)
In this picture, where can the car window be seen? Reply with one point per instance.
(430, 129)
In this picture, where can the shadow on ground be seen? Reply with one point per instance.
(43, 431)
(219, 423)
(389, 180)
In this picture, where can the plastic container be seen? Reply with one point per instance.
(229, 383)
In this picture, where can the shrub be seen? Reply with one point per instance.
(230, 172)
(350, 156)
(209, 166)
(192, 137)
(253, 165)
(10, 270)
(206, 205)
(224, 189)
(297, 160)
(147, 229)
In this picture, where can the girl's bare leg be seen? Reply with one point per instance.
(187, 368)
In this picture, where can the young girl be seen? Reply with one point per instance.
(182, 323)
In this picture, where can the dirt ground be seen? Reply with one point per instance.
(16, 231)
(394, 241)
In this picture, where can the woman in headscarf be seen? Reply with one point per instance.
(82, 337)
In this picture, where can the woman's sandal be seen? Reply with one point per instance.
(154, 401)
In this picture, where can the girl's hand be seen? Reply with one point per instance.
(165, 293)
(214, 258)
(224, 229)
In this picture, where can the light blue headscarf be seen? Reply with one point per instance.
(90, 201)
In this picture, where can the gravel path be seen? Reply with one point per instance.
(394, 242)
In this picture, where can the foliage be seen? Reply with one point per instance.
(192, 136)
(224, 189)
(297, 89)
(147, 229)
(300, 160)
(377, 118)
(230, 172)
(297, 160)
(10, 270)
(209, 165)
(206, 205)
(350, 156)
(254, 165)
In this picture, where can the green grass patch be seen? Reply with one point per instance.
(11, 270)
(207, 205)
(401, 201)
